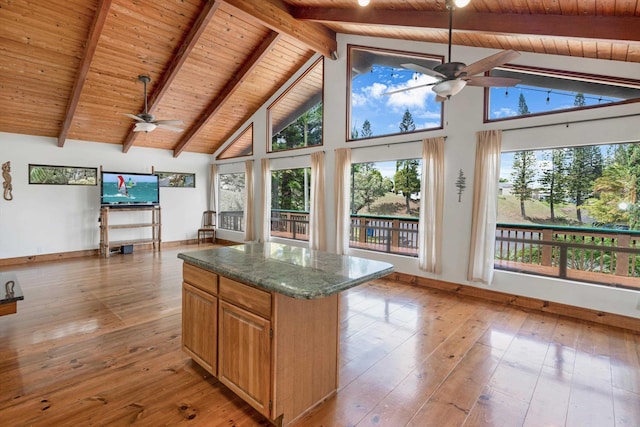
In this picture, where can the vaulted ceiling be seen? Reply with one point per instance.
(70, 68)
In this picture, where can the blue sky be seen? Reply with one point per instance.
(384, 112)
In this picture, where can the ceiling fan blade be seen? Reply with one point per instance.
(487, 81)
(133, 116)
(423, 70)
(171, 128)
(169, 122)
(411, 88)
(489, 62)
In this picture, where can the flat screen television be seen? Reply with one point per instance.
(121, 189)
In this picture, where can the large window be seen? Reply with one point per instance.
(374, 110)
(385, 206)
(290, 190)
(296, 117)
(571, 213)
(550, 91)
(232, 199)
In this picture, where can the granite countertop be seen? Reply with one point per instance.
(10, 290)
(289, 270)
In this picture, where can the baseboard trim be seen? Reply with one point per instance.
(5, 262)
(529, 303)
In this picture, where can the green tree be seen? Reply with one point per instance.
(289, 189)
(366, 129)
(585, 166)
(579, 100)
(554, 178)
(407, 124)
(305, 131)
(367, 186)
(523, 109)
(523, 176)
(616, 185)
(407, 179)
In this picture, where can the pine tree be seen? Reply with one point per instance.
(579, 100)
(585, 166)
(554, 178)
(523, 176)
(522, 106)
(407, 124)
(366, 129)
(406, 180)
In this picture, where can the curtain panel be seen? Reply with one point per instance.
(317, 228)
(249, 206)
(485, 206)
(431, 206)
(266, 201)
(342, 204)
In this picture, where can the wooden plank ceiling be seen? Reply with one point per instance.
(70, 68)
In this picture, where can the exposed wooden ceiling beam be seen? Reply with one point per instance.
(275, 15)
(89, 50)
(626, 28)
(229, 89)
(178, 61)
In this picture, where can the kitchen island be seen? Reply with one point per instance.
(264, 319)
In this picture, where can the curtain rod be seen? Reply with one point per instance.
(290, 156)
(572, 122)
(389, 144)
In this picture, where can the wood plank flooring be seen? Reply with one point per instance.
(97, 342)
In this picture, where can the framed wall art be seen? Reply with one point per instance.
(177, 179)
(62, 175)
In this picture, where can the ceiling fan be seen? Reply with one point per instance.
(147, 122)
(452, 77)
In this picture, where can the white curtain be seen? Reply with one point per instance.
(317, 229)
(431, 206)
(213, 187)
(249, 208)
(266, 200)
(341, 193)
(485, 203)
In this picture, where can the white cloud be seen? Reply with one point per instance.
(504, 112)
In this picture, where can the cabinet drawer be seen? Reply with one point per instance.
(200, 278)
(245, 296)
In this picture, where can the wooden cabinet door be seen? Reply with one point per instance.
(244, 359)
(199, 326)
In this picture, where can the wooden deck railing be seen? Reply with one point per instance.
(610, 257)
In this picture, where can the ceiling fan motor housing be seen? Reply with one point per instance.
(450, 69)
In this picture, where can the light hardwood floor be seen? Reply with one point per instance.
(97, 342)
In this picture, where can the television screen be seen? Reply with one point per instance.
(128, 189)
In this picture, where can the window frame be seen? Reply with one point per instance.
(309, 70)
(568, 75)
(417, 55)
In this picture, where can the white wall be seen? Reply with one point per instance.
(44, 219)
(463, 118)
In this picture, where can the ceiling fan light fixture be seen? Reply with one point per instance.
(449, 88)
(363, 3)
(145, 127)
(461, 3)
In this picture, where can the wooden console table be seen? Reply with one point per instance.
(10, 294)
